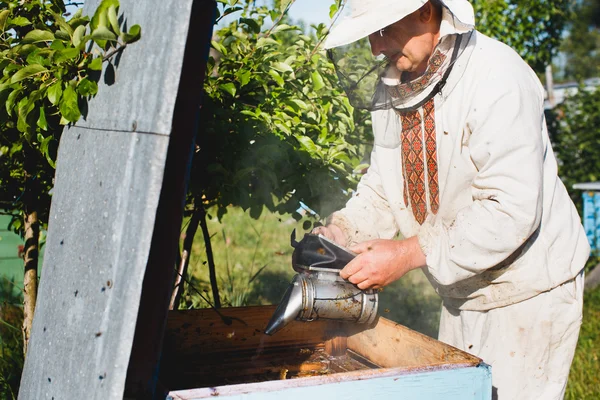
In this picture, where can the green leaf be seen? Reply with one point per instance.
(27, 72)
(219, 47)
(317, 80)
(283, 127)
(277, 77)
(284, 4)
(87, 87)
(24, 108)
(77, 15)
(66, 55)
(229, 88)
(56, 45)
(77, 22)
(19, 21)
(103, 19)
(243, 76)
(24, 50)
(300, 103)
(68, 105)
(96, 64)
(332, 10)
(78, 35)
(100, 19)
(10, 101)
(252, 24)
(283, 27)
(59, 34)
(60, 21)
(3, 17)
(264, 41)
(281, 66)
(54, 93)
(41, 122)
(134, 34)
(113, 19)
(40, 56)
(307, 143)
(16, 148)
(103, 33)
(38, 35)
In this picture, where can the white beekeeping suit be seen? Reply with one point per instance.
(462, 161)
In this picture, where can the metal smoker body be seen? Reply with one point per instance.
(318, 291)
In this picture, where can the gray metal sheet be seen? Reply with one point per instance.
(107, 187)
(146, 79)
(587, 186)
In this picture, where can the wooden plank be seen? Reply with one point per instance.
(389, 345)
(205, 331)
(470, 383)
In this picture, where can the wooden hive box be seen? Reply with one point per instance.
(206, 355)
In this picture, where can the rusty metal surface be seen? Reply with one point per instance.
(108, 182)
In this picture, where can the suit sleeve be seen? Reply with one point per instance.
(367, 214)
(507, 148)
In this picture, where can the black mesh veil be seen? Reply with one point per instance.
(375, 83)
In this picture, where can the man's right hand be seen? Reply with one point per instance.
(331, 232)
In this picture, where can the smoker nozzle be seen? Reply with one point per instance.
(288, 309)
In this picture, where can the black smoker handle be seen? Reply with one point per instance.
(318, 252)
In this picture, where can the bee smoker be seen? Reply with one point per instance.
(318, 291)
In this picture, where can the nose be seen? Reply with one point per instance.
(377, 43)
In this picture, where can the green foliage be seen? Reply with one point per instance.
(574, 130)
(532, 27)
(582, 46)
(276, 129)
(49, 69)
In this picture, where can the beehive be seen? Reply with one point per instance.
(207, 354)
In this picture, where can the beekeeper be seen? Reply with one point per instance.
(462, 167)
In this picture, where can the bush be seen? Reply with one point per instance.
(574, 128)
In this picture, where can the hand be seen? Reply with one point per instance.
(381, 262)
(331, 232)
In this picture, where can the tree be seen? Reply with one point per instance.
(581, 48)
(276, 129)
(573, 127)
(49, 69)
(532, 27)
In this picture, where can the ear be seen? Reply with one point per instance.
(426, 12)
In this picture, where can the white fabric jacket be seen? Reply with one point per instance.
(506, 229)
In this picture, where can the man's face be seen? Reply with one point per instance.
(408, 43)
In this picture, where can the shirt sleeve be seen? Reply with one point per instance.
(367, 215)
(506, 146)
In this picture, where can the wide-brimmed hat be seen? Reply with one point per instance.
(369, 16)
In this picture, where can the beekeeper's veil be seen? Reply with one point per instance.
(374, 83)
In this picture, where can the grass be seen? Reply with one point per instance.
(584, 379)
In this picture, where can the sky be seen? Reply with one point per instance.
(311, 11)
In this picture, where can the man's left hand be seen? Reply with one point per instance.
(380, 262)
